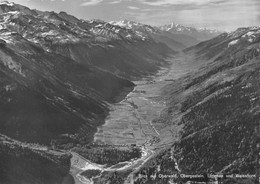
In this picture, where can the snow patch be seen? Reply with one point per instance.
(50, 33)
(248, 34)
(111, 46)
(232, 43)
(6, 3)
(13, 12)
(250, 40)
(10, 87)
(6, 39)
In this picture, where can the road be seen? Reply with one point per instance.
(79, 164)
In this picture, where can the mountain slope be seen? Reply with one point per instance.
(218, 110)
(32, 164)
(222, 112)
(87, 42)
(59, 73)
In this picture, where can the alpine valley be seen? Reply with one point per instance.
(89, 101)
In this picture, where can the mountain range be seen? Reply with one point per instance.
(201, 34)
(60, 74)
(176, 36)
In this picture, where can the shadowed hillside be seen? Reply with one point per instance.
(59, 73)
(32, 164)
(218, 110)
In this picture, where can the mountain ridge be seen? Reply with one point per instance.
(59, 75)
(175, 36)
(200, 34)
(70, 67)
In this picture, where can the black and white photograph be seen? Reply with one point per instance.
(130, 92)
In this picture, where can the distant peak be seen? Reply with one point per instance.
(174, 24)
(125, 23)
(175, 27)
(63, 12)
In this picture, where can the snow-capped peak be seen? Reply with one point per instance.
(243, 35)
(135, 26)
(6, 3)
(178, 28)
(125, 23)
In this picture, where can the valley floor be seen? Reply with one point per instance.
(131, 121)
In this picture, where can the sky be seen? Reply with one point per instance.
(224, 15)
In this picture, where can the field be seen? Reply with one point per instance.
(134, 120)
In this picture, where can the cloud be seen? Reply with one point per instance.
(178, 2)
(91, 2)
(218, 2)
(95, 2)
(220, 14)
(147, 9)
(223, 15)
(133, 8)
(115, 2)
